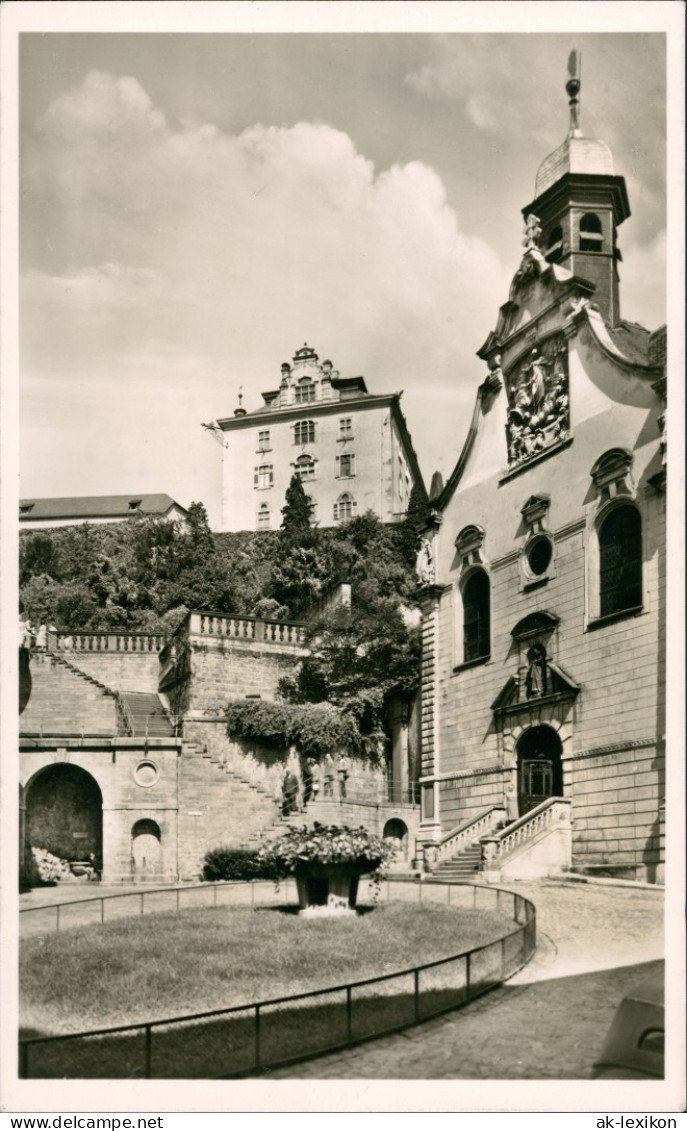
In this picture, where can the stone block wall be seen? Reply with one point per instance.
(224, 670)
(121, 671)
(617, 809)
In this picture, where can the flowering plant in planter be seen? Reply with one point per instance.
(318, 849)
(327, 861)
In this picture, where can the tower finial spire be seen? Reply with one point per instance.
(573, 88)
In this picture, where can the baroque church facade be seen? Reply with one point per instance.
(543, 564)
(350, 448)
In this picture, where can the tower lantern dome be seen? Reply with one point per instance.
(579, 204)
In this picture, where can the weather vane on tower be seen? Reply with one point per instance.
(573, 88)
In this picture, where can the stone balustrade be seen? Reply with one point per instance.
(470, 831)
(553, 811)
(139, 642)
(537, 844)
(248, 628)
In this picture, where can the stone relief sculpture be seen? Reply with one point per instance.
(424, 564)
(538, 412)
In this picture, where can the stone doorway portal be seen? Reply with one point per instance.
(64, 813)
(540, 772)
(146, 850)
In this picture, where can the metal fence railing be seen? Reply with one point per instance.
(246, 1039)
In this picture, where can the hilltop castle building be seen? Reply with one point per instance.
(543, 698)
(350, 448)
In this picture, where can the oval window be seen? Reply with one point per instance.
(539, 554)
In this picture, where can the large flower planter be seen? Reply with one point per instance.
(330, 887)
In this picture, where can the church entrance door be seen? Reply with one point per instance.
(540, 773)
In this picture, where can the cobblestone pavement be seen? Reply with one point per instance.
(550, 1020)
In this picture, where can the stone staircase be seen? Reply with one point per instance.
(464, 866)
(65, 700)
(218, 806)
(144, 715)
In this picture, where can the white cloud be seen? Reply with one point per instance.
(205, 258)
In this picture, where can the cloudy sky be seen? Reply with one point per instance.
(196, 206)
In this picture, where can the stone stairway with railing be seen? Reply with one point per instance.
(143, 715)
(486, 847)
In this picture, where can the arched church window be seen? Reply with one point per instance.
(305, 391)
(620, 560)
(476, 617)
(304, 432)
(591, 233)
(304, 467)
(554, 244)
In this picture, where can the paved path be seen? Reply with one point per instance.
(550, 1020)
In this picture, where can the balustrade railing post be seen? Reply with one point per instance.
(148, 1051)
(349, 1017)
(257, 1037)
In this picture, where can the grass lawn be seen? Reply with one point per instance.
(163, 965)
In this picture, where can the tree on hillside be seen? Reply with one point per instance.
(296, 513)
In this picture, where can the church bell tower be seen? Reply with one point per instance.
(579, 205)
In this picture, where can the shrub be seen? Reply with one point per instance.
(226, 863)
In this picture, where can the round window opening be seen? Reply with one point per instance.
(539, 554)
(146, 774)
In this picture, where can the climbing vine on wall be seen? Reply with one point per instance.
(314, 729)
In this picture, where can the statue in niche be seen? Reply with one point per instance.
(424, 564)
(536, 678)
(538, 405)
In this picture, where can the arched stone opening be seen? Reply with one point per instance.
(64, 814)
(540, 770)
(146, 849)
(397, 831)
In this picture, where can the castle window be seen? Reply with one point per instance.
(591, 234)
(263, 476)
(264, 517)
(135, 504)
(304, 432)
(305, 391)
(304, 467)
(344, 508)
(620, 560)
(554, 246)
(313, 508)
(264, 440)
(345, 466)
(476, 617)
(345, 428)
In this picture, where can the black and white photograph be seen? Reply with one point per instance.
(342, 516)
